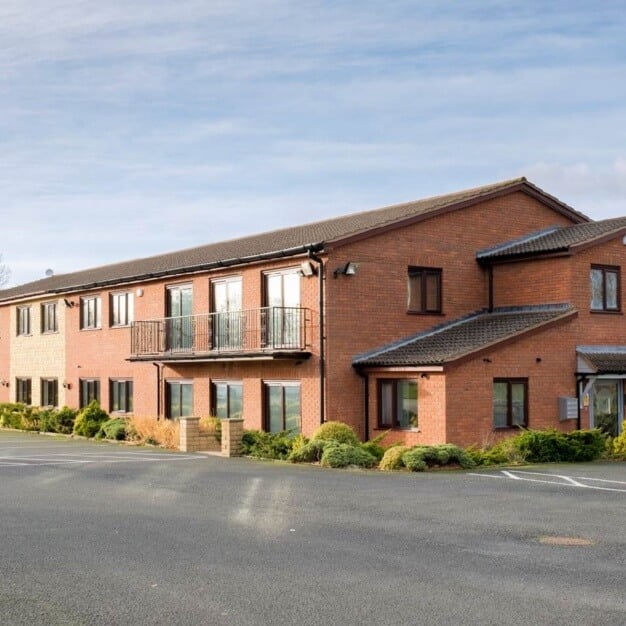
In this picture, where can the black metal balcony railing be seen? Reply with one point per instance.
(255, 330)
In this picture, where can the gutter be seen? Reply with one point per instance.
(192, 269)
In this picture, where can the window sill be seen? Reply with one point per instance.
(604, 312)
(90, 329)
(431, 313)
(398, 429)
(515, 427)
(120, 326)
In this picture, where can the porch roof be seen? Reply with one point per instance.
(555, 240)
(465, 336)
(601, 359)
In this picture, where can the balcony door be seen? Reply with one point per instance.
(282, 313)
(179, 326)
(228, 319)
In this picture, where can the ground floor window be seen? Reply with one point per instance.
(23, 390)
(121, 396)
(49, 392)
(227, 399)
(510, 402)
(397, 403)
(282, 407)
(89, 391)
(178, 399)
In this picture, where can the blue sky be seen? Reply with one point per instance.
(134, 127)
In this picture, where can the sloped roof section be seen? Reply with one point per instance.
(278, 243)
(603, 359)
(454, 340)
(554, 240)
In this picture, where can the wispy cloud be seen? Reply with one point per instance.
(193, 121)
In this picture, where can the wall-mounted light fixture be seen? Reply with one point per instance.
(4, 383)
(139, 292)
(69, 303)
(424, 375)
(67, 385)
(307, 268)
(486, 360)
(349, 269)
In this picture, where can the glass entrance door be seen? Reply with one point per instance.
(179, 325)
(228, 325)
(607, 405)
(282, 324)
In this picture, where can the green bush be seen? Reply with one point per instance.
(339, 455)
(373, 448)
(310, 452)
(264, 445)
(413, 460)
(62, 421)
(550, 446)
(90, 419)
(617, 447)
(392, 459)
(11, 414)
(336, 431)
(115, 429)
(417, 459)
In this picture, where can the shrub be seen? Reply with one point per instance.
(11, 414)
(264, 445)
(62, 421)
(336, 431)
(618, 444)
(310, 452)
(212, 426)
(113, 429)
(152, 431)
(90, 419)
(392, 459)
(545, 446)
(30, 418)
(343, 455)
(413, 460)
(418, 458)
(373, 448)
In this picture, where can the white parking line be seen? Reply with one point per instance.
(35, 460)
(558, 479)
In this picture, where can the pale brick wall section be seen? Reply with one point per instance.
(193, 440)
(38, 355)
(232, 433)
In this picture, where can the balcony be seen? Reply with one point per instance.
(266, 333)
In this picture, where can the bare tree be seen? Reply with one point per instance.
(5, 273)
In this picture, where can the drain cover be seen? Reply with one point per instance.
(565, 541)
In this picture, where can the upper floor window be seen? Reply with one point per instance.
(90, 312)
(89, 391)
(605, 288)
(121, 396)
(122, 309)
(510, 402)
(23, 320)
(282, 317)
(49, 320)
(23, 390)
(397, 403)
(49, 392)
(424, 290)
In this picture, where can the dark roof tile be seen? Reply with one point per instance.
(453, 340)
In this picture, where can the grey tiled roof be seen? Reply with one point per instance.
(557, 239)
(464, 336)
(274, 244)
(604, 359)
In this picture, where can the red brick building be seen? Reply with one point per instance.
(455, 318)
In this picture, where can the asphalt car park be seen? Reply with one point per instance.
(99, 533)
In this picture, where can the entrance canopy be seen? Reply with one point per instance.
(601, 360)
